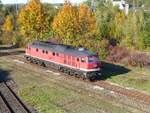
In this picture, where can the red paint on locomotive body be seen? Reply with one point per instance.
(64, 55)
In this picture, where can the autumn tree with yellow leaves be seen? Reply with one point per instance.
(7, 29)
(32, 21)
(8, 24)
(86, 19)
(66, 23)
(72, 24)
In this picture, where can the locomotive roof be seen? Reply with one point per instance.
(60, 48)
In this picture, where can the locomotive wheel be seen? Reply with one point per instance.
(61, 69)
(69, 72)
(43, 64)
(83, 78)
(77, 75)
(27, 58)
(39, 63)
(91, 79)
(31, 60)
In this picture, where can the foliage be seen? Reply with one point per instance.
(127, 57)
(104, 17)
(18, 39)
(7, 29)
(50, 12)
(117, 26)
(117, 54)
(139, 59)
(8, 24)
(86, 20)
(73, 24)
(32, 21)
(66, 23)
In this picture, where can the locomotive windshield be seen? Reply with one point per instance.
(93, 59)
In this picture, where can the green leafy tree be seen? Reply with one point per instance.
(104, 18)
(50, 12)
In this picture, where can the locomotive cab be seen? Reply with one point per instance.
(94, 67)
(93, 62)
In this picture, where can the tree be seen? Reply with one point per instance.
(7, 29)
(87, 20)
(117, 26)
(8, 24)
(104, 18)
(32, 21)
(66, 23)
(50, 12)
(1, 15)
(145, 30)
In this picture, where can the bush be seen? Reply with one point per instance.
(18, 40)
(7, 38)
(139, 59)
(117, 54)
(131, 58)
(101, 46)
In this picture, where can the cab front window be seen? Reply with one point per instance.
(93, 59)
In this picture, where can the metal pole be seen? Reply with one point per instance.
(93, 5)
(16, 7)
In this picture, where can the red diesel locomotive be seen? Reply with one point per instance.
(75, 61)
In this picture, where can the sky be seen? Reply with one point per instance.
(48, 1)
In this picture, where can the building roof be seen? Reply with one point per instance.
(60, 48)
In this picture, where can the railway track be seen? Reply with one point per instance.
(133, 94)
(10, 102)
(145, 98)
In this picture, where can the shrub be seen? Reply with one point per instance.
(7, 38)
(139, 59)
(117, 54)
(18, 40)
(127, 57)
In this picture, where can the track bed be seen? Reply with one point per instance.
(9, 101)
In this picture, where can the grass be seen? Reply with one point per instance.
(137, 78)
(56, 100)
(43, 98)
(48, 95)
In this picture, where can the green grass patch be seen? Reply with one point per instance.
(138, 78)
(43, 98)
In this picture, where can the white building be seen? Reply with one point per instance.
(121, 4)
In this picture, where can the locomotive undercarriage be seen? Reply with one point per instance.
(70, 71)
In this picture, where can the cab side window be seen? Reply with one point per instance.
(53, 53)
(78, 59)
(37, 49)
